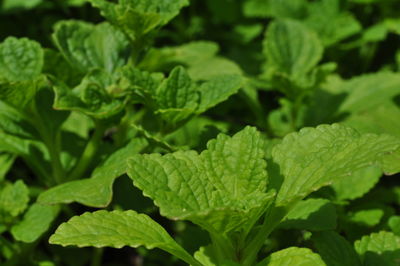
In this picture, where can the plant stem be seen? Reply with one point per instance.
(97, 256)
(270, 222)
(88, 153)
(55, 151)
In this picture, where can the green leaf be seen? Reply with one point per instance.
(10, 5)
(369, 218)
(222, 189)
(97, 190)
(158, 59)
(311, 214)
(379, 119)
(381, 248)
(394, 224)
(138, 17)
(275, 8)
(86, 46)
(6, 161)
(20, 59)
(93, 97)
(331, 24)
(293, 256)
(117, 229)
(143, 84)
(369, 91)
(291, 48)
(335, 250)
(358, 184)
(15, 123)
(214, 67)
(217, 90)
(316, 157)
(177, 97)
(14, 199)
(36, 222)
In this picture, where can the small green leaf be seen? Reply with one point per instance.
(20, 59)
(381, 248)
(394, 224)
(14, 199)
(335, 250)
(86, 46)
(293, 256)
(36, 222)
(93, 97)
(177, 97)
(138, 17)
(291, 48)
(97, 190)
(369, 218)
(222, 189)
(316, 157)
(117, 229)
(218, 90)
(311, 214)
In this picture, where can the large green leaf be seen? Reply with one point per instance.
(316, 157)
(97, 190)
(293, 256)
(36, 221)
(20, 59)
(291, 48)
(335, 250)
(86, 46)
(222, 189)
(381, 248)
(117, 229)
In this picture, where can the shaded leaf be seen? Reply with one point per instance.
(335, 250)
(36, 222)
(97, 190)
(311, 214)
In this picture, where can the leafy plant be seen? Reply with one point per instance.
(227, 189)
(256, 132)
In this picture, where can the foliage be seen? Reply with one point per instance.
(253, 132)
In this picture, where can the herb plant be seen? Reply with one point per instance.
(254, 132)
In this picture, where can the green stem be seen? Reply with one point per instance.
(270, 222)
(97, 256)
(53, 147)
(89, 152)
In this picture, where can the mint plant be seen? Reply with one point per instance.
(228, 191)
(95, 94)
